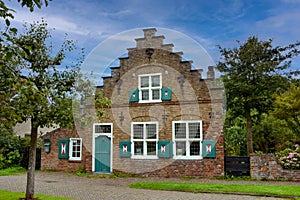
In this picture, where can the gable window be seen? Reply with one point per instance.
(144, 137)
(75, 148)
(150, 88)
(187, 137)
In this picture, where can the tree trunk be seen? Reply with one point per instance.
(31, 163)
(249, 132)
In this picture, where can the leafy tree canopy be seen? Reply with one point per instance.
(252, 73)
(287, 107)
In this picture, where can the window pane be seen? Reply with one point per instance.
(76, 154)
(195, 148)
(138, 131)
(144, 81)
(194, 130)
(180, 130)
(102, 128)
(151, 148)
(180, 148)
(145, 94)
(75, 148)
(138, 148)
(151, 131)
(155, 94)
(155, 80)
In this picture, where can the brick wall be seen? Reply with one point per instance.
(265, 166)
(193, 98)
(51, 161)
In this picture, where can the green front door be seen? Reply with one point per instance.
(102, 154)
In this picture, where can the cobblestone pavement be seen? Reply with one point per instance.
(75, 187)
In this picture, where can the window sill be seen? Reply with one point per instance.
(152, 101)
(144, 157)
(74, 161)
(187, 157)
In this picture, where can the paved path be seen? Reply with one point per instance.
(72, 186)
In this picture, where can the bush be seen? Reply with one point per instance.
(9, 150)
(289, 159)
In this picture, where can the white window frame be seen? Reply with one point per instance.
(187, 141)
(71, 149)
(150, 88)
(144, 140)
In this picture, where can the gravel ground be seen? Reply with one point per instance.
(75, 187)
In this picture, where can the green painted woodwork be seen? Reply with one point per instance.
(102, 154)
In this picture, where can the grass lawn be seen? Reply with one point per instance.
(272, 190)
(7, 195)
(12, 171)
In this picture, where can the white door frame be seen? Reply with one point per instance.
(110, 135)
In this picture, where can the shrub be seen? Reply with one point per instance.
(289, 159)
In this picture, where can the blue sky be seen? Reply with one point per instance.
(210, 23)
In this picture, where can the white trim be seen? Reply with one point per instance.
(110, 135)
(150, 88)
(187, 141)
(71, 149)
(144, 140)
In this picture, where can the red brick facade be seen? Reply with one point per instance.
(193, 99)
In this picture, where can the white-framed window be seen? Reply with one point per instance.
(144, 137)
(150, 88)
(75, 148)
(187, 137)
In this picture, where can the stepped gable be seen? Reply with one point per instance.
(151, 49)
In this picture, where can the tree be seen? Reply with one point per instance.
(235, 135)
(271, 134)
(8, 75)
(287, 107)
(252, 73)
(44, 86)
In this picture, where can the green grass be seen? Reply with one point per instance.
(12, 171)
(272, 190)
(8, 195)
(112, 175)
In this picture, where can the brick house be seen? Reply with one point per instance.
(165, 119)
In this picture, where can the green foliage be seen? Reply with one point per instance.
(9, 149)
(253, 72)
(273, 190)
(11, 171)
(235, 136)
(287, 108)
(87, 100)
(271, 134)
(43, 94)
(9, 154)
(32, 3)
(102, 104)
(8, 195)
(288, 158)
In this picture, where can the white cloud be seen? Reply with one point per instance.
(54, 21)
(283, 26)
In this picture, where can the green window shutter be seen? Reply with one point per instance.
(125, 148)
(165, 149)
(166, 94)
(63, 148)
(134, 96)
(208, 149)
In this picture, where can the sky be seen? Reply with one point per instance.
(95, 24)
